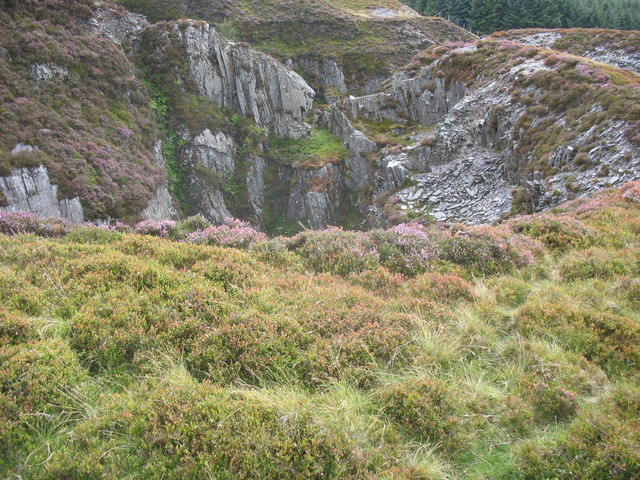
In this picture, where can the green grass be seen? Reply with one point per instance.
(316, 150)
(131, 356)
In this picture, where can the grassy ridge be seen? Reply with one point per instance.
(416, 353)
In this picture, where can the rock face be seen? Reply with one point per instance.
(255, 183)
(422, 99)
(118, 26)
(46, 71)
(29, 189)
(316, 196)
(436, 143)
(213, 152)
(161, 206)
(211, 160)
(245, 81)
(466, 164)
(327, 75)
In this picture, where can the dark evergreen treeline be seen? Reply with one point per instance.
(486, 16)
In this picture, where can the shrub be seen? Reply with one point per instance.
(550, 398)
(15, 329)
(423, 408)
(599, 263)
(602, 443)
(335, 251)
(94, 129)
(155, 228)
(479, 253)
(234, 233)
(127, 321)
(609, 340)
(408, 248)
(189, 225)
(251, 347)
(510, 291)
(379, 280)
(34, 379)
(14, 223)
(559, 232)
(192, 431)
(93, 235)
(440, 287)
(35, 374)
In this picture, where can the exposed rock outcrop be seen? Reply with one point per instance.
(29, 189)
(255, 183)
(161, 206)
(422, 99)
(621, 56)
(213, 152)
(41, 72)
(116, 25)
(315, 196)
(326, 74)
(245, 81)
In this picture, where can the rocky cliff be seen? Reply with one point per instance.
(188, 121)
(244, 81)
(476, 144)
(338, 47)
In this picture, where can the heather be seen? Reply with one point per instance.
(186, 350)
(91, 122)
(562, 100)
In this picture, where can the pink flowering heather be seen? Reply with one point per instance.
(335, 250)
(417, 244)
(124, 132)
(233, 233)
(155, 228)
(15, 223)
(408, 248)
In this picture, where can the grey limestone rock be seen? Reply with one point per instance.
(328, 74)
(161, 206)
(255, 185)
(116, 25)
(211, 203)
(424, 99)
(316, 196)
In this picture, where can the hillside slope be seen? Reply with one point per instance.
(477, 131)
(339, 47)
(615, 47)
(187, 121)
(412, 353)
(73, 102)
